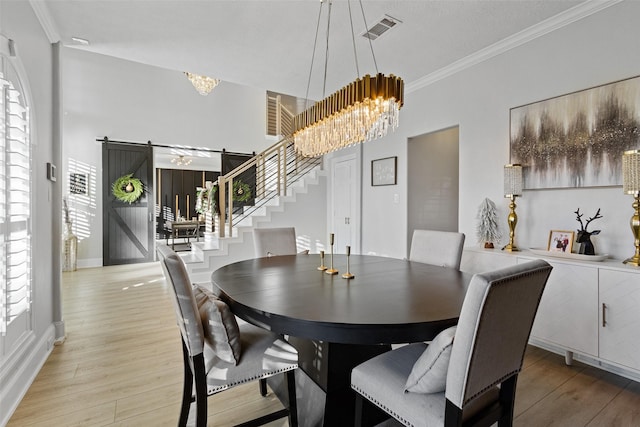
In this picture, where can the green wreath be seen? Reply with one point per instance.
(207, 200)
(127, 188)
(241, 191)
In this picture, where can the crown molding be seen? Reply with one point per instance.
(558, 21)
(46, 22)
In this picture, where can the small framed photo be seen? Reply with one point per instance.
(560, 241)
(78, 183)
(383, 171)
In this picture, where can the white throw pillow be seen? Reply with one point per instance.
(429, 373)
(221, 331)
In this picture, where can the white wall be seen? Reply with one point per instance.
(20, 364)
(595, 50)
(124, 100)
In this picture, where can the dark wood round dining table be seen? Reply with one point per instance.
(338, 323)
(388, 301)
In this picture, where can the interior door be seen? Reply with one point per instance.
(344, 205)
(127, 229)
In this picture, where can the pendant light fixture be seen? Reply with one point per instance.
(361, 111)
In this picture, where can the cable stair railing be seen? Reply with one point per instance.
(267, 175)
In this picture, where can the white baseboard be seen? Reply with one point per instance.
(22, 369)
(90, 262)
(61, 335)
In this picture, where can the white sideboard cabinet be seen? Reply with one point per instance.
(589, 310)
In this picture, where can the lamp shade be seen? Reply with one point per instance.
(631, 172)
(512, 180)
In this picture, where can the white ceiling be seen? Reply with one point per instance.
(267, 44)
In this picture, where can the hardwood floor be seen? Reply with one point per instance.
(121, 365)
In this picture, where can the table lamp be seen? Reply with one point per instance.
(512, 189)
(631, 185)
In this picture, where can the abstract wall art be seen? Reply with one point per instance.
(577, 139)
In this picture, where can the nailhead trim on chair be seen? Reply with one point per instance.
(214, 390)
(381, 406)
(484, 390)
(498, 283)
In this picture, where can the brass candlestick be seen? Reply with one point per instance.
(322, 266)
(331, 270)
(348, 275)
(512, 220)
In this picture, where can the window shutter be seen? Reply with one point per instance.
(15, 199)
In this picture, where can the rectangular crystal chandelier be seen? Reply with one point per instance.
(361, 111)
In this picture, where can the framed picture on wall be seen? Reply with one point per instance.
(577, 139)
(383, 171)
(78, 183)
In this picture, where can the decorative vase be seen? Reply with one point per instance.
(69, 249)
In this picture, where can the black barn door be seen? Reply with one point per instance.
(127, 229)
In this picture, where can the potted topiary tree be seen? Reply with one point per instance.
(488, 231)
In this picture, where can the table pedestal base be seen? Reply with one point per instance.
(324, 385)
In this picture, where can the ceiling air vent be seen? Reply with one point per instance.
(381, 27)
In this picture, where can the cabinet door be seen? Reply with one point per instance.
(566, 316)
(620, 326)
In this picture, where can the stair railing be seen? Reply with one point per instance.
(274, 170)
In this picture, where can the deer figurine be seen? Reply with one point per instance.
(584, 236)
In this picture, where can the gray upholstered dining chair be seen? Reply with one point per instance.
(437, 247)
(274, 241)
(219, 353)
(468, 374)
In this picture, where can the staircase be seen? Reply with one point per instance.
(281, 179)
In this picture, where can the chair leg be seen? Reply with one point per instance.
(201, 390)
(452, 415)
(263, 387)
(507, 401)
(359, 404)
(291, 393)
(187, 388)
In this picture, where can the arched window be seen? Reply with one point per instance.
(15, 199)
